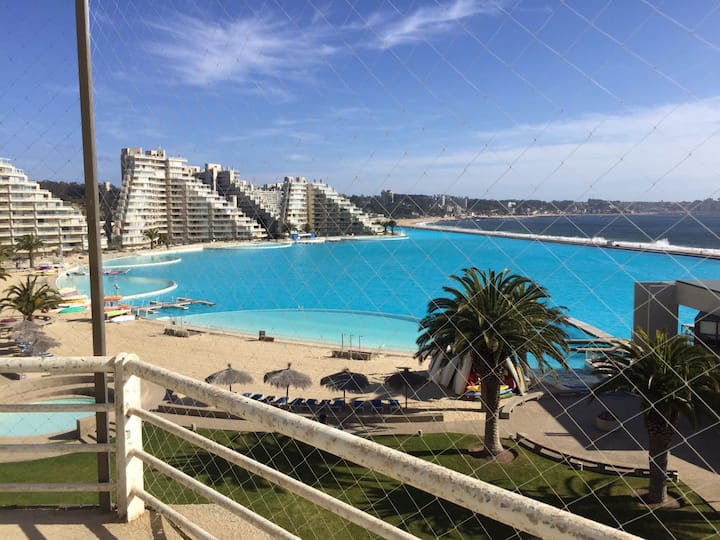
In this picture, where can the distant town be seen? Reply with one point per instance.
(409, 205)
(400, 206)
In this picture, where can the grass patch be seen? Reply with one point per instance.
(603, 498)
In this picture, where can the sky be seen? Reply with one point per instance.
(497, 99)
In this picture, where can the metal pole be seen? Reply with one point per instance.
(82, 27)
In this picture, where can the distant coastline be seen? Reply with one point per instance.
(650, 247)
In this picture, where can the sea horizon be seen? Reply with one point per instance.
(674, 229)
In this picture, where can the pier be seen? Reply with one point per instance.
(154, 307)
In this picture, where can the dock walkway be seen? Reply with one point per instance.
(154, 307)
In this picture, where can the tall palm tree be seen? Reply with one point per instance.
(29, 297)
(5, 252)
(153, 235)
(31, 244)
(493, 316)
(674, 379)
(392, 224)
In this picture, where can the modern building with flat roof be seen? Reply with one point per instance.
(656, 305)
(162, 192)
(27, 209)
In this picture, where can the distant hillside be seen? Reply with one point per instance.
(74, 193)
(399, 205)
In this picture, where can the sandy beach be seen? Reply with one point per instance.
(207, 352)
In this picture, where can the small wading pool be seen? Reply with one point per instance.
(29, 424)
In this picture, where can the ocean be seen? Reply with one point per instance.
(678, 229)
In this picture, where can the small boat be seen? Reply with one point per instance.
(115, 272)
(72, 309)
(68, 291)
(112, 298)
(123, 318)
(116, 307)
(116, 313)
(75, 299)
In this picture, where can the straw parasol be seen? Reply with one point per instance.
(32, 336)
(346, 380)
(229, 376)
(286, 378)
(402, 380)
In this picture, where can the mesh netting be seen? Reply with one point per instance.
(365, 153)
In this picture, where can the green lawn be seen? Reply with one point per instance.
(607, 499)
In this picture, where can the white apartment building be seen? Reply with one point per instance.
(25, 208)
(162, 192)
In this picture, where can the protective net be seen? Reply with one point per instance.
(436, 226)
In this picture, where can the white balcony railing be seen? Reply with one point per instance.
(511, 508)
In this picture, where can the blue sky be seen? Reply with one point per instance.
(496, 99)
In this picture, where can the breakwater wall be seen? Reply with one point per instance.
(650, 247)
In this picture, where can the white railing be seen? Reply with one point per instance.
(510, 508)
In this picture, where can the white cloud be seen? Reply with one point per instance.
(250, 50)
(427, 21)
(670, 152)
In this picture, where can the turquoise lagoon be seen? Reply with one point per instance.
(379, 289)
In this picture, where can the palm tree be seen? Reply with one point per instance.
(153, 235)
(29, 297)
(5, 252)
(392, 224)
(31, 244)
(493, 316)
(673, 378)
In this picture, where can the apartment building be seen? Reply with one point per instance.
(298, 205)
(25, 208)
(164, 193)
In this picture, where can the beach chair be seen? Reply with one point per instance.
(256, 397)
(280, 402)
(358, 406)
(393, 405)
(376, 406)
(324, 404)
(338, 405)
(297, 404)
(311, 404)
(268, 399)
(246, 394)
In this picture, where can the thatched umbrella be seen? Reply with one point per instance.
(32, 337)
(402, 380)
(229, 376)
(25, 331)
(286, 378)
(346, 380)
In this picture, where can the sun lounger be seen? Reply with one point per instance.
(256, 397)
(324, 404)
(246, 394)
(297, 404)
(338, 405)
(268, 399)
(358, 406)
(280, 402)
(376, 406)
(311, 404)
(393, 405)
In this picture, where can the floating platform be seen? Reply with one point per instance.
(154, 307)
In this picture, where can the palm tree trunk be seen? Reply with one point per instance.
(490, 388)
(660, 434)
